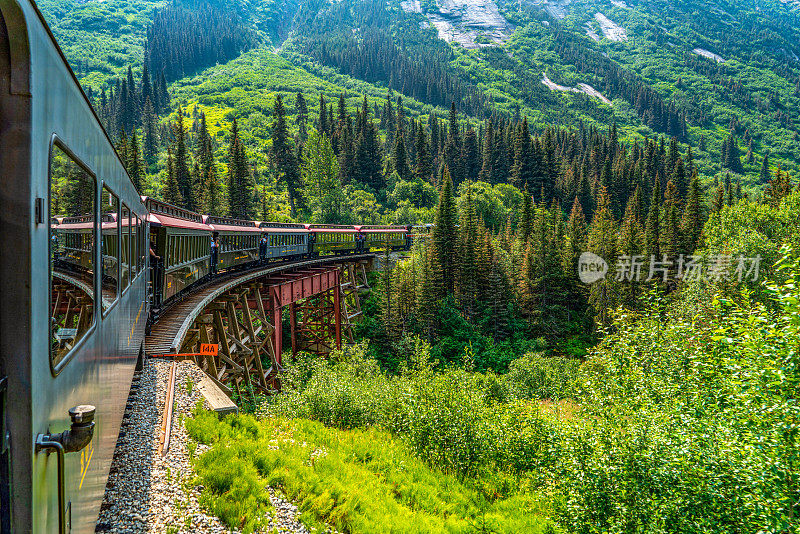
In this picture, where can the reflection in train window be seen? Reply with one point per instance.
(109, 215)
(72, 253)
(125, 243)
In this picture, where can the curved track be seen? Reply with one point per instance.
(168, 332)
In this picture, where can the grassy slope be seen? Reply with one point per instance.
(353, 480)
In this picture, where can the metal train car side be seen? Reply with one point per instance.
(285, 240)
(74, 303)
(180, 240)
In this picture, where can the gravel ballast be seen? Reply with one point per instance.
(150, 493)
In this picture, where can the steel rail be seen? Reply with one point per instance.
(166, 420)
(251, 275)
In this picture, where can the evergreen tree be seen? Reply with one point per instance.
(423, 169)
(467, 249)
(718, 202)
(778, 188)
(526, 222)
(369, 158)
(670, 235)
(603, 294)
(764, 176)
(443, 231)
(691, 222)
(631, 244)
(240, 181)
(731, 157)
(489, 154)
(135, 164)
(172, 191)
(323, 116)
(470, 156)
(282, 154)
(524, 171)
(182, 174)
(150, 136)
(302, 116)
(400, 159)
(652, 226)
(575, 237)
(452, 150)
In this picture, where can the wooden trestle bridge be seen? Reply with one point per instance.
(243, 315)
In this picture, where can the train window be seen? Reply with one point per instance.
(72, 253)
(109, 217)
(134, 224)
(142, 245)
(125, 241)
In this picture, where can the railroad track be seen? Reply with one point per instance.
(170, 327)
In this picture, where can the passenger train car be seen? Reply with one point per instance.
(73, 304)
(84, 258)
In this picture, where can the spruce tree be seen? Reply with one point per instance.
(691, 222)
(135, 164)
(575, 237)
(240, 181)
(182, 174)
(282, 154)
(369, 158)
(302, 116)
(631, 244)
(172, 191)
(452, 150)
(323, 116)
(400, 159)
(603, 294)
(524, 174)
(423, 169)
(764, 176)
(652, 226)
(149, 133)
(670, 234)
(470, 156)
(718, 201)
(444, 230)
(526, 222)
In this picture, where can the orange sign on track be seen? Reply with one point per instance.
(209, 349)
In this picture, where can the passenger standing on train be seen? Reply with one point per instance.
(214, 253)
(262, 249)
(156, 266)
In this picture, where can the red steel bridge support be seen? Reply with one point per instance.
(246, 321)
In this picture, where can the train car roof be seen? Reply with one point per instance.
(332, 228)
(366, 229)
(229, 224)
(162, 208)
(174, 222)
(282, 230)
(272, 224)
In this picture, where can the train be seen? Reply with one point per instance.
(182, 244)
(78, 284)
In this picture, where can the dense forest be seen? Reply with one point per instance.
(492, 388)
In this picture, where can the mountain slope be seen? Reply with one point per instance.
(700, 70)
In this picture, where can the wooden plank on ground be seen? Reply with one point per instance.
(216, 398)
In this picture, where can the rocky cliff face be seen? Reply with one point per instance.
(472, 23)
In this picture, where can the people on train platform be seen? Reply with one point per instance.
(214, 252)
(262, 249)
